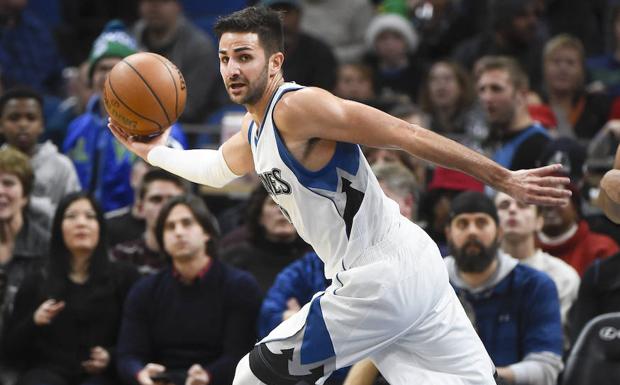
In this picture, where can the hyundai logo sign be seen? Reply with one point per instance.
(609, 333)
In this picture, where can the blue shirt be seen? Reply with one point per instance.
(517, 316)
(102, 163)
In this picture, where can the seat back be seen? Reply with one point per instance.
(595, 358)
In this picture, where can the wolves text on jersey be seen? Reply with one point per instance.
(273, 182)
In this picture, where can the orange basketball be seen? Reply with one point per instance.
(144, 94)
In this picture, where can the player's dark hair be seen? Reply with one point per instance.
(20, 92)
(201, 213)
(265, 22)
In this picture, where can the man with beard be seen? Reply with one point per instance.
(390, 298)
(502, 91)
(514, 308)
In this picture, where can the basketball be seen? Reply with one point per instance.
(144, 94)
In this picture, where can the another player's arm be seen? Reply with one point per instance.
(210, 167)
(316, 113)
(609, 196)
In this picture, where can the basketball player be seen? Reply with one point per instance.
(390, 299)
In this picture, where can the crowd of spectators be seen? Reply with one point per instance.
(115, 272)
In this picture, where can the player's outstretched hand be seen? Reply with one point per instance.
(138, 147)
(539, 186)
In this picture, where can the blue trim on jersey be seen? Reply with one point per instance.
(259, 129)
(346, 157)
(250, 132)
(317, 344)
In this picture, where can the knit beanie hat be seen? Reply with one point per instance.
(473, 202)
(114, 41)
(391, 22)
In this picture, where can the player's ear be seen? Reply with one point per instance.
(275, 63)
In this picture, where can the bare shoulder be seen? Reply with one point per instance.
(304, 107)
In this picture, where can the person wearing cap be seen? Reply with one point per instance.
(391, 42)
(514, 308)
(104, 165)
(435, 207)
(309, 60)
(503, 90)
(164, 30)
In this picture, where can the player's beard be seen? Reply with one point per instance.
(256, 89)
(474, 262)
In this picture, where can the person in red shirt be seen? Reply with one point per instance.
(566, 235)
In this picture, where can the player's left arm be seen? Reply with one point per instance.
(609, 196)
(315, 113)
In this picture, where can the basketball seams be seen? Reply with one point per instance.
(148, 86)
(129, 108)
(176, 91)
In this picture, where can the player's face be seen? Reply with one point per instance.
(518, 220)
(12, 199)
(80, 228)
(157, 193)
(498, 97)
(243, 66)
(184, 238)
(22, 123)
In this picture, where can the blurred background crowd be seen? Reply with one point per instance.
(113, 272)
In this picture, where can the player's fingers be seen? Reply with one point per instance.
(541, 200)
(554, 192)
(553, 181)
(155, 368)
(546, 170)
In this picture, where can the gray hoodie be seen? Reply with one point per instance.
(54, 174)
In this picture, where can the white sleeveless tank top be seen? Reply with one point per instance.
(339, 210)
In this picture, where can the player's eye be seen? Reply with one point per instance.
(224, 59)
(244, 58)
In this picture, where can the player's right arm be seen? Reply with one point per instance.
(214, 168)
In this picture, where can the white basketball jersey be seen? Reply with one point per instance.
(339, 210)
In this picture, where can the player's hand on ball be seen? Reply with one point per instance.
(539, 186)
(138, 147)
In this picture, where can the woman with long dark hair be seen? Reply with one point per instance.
(65, 321)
